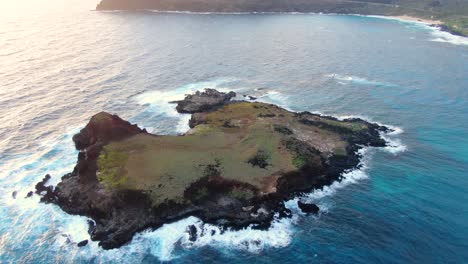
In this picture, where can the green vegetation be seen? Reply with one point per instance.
(457, 25)
(242, 193)
(353, 126)
(299, 161)
(111, 165)
(250, 150)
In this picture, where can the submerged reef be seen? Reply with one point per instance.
(234, 168)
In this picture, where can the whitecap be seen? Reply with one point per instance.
(344, 79)
(446, 37)
(158, 101)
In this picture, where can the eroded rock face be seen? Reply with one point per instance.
(101, 129)
(205, 101)
(235, 169)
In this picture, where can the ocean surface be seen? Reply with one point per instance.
(61, 62)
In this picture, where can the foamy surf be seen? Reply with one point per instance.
(394, 144)
(346, 79)
(446, 37)
(158, 101)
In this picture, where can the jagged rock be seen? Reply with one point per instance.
(205, 101)
(82, 243)
(308, 207)
(192, 231)
(101, 129)
(40, 186)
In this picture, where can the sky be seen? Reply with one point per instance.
(25, 7)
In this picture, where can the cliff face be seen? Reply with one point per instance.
(234, 168)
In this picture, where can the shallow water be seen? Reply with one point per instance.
(62, 63)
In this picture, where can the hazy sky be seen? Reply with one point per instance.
(24, 7)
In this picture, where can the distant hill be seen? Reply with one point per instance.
(454, 13)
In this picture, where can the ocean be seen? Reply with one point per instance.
(61, 62)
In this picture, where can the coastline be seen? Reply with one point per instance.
(415, 19)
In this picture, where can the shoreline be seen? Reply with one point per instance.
(416, 19)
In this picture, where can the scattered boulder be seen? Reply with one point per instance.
(40, 186)
(192, 231)
(260, 159)
(282, 129)
(308, 207)
(205, 101)
(91, 227)
(30, 194)
(14, 194)
(82, 243)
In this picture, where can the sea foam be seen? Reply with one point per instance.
(345, 79)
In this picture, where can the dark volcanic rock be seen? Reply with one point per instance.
(192, 231)
(40, 186)
(308, 207)
(82, 243)
(205, 101)
(30, 194)
(101, 129)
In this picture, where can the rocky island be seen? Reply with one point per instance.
(234, 168)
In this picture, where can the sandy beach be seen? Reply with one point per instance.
(417, 19)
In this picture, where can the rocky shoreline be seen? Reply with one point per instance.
(261, 156)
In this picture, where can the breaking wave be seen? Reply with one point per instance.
(345, 79)
(159, 102)
(446, 37)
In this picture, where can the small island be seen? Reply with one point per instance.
(234, 168)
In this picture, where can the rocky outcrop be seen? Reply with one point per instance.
(308, 207)
(127, 180)
(101, 129)
(205, 101)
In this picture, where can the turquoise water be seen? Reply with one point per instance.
(61, 64)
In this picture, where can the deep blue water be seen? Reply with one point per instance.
(409, 203)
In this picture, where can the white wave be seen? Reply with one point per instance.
(163, 241)
(446, 37)
(248, 239)
(72, 230)
(344, 79)
(349, 177)
(158, 101)
(394, 145)
(436, 32)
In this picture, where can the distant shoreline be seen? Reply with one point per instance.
(416, 19)
(436, 24)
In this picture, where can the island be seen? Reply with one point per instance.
(448, 15)
(234, 168)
